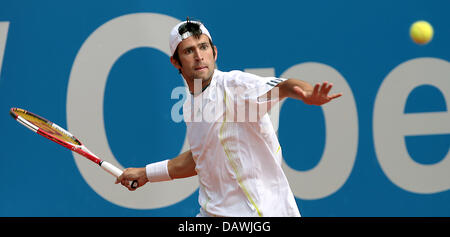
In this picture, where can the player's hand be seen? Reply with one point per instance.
(318, 96)
(131, 174)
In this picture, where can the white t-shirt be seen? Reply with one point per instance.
(235, 148)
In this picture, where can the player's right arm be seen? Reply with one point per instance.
(182, 166)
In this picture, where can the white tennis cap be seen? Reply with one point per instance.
(176, 38)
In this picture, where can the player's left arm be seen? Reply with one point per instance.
(301, 90)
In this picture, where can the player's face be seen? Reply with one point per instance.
(197, 58)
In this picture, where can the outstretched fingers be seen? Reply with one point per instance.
(323, 88)
(334, 96)
(316, 89)
(327, 87)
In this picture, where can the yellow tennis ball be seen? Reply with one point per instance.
(421, 32)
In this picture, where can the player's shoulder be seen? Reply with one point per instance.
(237, 78)
(238, 74)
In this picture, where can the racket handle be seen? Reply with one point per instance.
(116, 172)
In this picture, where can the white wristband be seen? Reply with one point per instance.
(158, 171)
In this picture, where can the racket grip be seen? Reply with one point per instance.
(116, 172)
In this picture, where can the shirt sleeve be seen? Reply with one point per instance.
(251, 94)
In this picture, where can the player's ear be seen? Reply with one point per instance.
(215, 53)
(175, 63)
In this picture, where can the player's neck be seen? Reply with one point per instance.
(194, 85)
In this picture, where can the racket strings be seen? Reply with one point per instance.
(48, 127)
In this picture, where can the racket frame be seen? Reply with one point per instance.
(80, 149)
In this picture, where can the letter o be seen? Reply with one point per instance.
(341, 142)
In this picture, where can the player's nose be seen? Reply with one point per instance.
(198, 55)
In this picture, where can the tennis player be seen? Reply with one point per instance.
(237, 158)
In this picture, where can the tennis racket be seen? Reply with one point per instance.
(59, 135)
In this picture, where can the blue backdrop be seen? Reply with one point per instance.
(383, 150)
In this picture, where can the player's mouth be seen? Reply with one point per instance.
(201, 68)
